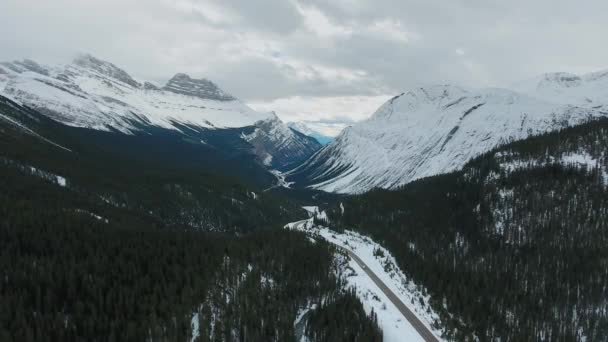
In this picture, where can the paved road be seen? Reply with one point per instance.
(422, 330)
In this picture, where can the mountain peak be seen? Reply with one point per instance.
(438, 92)
(203, 88)
(87, 61)
(411, 102)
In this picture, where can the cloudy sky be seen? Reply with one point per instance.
(316, 60)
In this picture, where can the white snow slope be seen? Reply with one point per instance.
(96, 94)
(433, 130)
(394, 326)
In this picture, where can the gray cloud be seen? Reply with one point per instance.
(330, 53)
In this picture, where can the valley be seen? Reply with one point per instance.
(134, 211)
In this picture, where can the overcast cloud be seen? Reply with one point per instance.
(315, 59)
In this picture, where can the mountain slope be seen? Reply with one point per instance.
(112, 237)
(91, 93)
(511, 247)
(280, 146)
(429, 131)
(158, 175)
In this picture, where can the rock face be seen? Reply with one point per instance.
(204, 89)
(428, 131)
(150, 86)
(279, 146)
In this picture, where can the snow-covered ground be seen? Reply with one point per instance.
(194, 325)
(300, 321)
(93, 215)
(579, 159)
(394, 326)
(281, 182)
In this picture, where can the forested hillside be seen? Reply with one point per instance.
(511, 248)
(70, 276)
(100, 243)
(161, 176)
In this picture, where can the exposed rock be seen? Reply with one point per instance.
(279, 146)
(202, 88)
(150, 86)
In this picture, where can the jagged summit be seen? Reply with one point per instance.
(93, 93)
(202, 88)
(105, 68)
(279, 146)
(423, 98)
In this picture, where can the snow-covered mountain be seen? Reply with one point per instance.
(280, 146)
(428, 131)
(96, 94)
(588, 90)
(305, 129)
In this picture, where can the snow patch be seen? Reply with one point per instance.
(281, 182)
(194, 325)
(59, 180)
(97, 217)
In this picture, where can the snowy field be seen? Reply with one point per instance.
(394, 326)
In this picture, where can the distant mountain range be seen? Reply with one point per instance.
(304, 128)
(96, 94)
(434, 130)
(419, 133)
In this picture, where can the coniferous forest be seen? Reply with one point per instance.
(99, 243)
(511, 248)
(101, 240)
